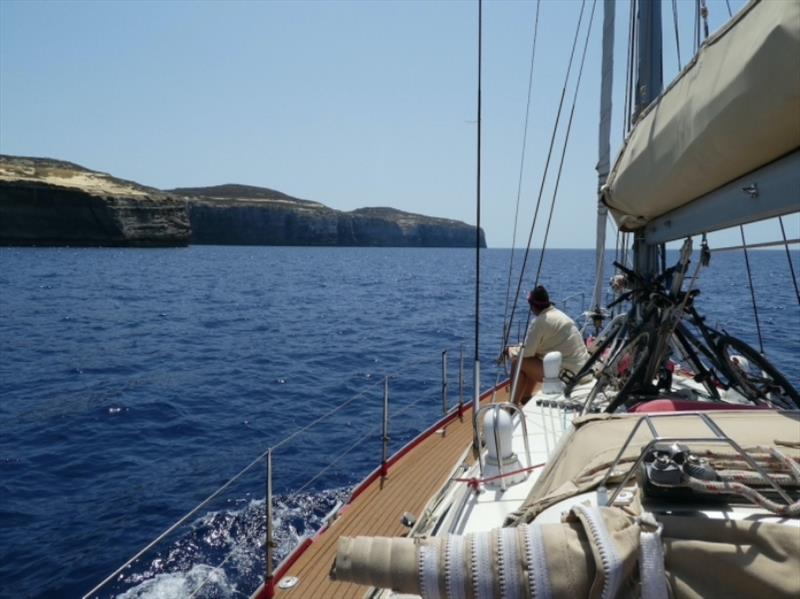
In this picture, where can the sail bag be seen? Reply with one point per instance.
(733, 109)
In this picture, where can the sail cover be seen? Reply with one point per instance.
(735, 108)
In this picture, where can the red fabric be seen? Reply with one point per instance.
(686, 405)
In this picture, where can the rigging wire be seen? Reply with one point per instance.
(522, 161)
(626, 120)
(696, 25)
(566, 142)
(704, 15)
(507, 332)
(789, 258)
(752, 291)
(677, 36)
(728, 4)
(478, 198)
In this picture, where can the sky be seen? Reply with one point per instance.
(352, 104)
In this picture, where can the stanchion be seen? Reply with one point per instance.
(384, 470)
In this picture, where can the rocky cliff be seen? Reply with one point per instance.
(240, 214)
(50, 202)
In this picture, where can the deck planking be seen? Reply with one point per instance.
(411, 483)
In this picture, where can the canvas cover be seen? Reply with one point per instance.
(735, 108)
(701, 558)
(589, 450)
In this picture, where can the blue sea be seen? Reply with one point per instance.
(133, 383)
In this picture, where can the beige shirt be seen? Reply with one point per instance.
(553, 330)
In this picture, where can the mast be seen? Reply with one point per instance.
(649, 84)
(604, 143)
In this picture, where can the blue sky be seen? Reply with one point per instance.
(348, 103)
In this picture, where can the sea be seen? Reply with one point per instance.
(135, 382)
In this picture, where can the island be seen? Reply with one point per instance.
(246, 215)
(52, 202)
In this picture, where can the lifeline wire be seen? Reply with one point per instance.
(677, 37)
(789, 258)
(227, 484)
(544, 175)
(566, 142)
(752, 291)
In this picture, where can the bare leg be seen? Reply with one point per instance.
(531, 374)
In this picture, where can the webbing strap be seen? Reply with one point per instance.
(538, 575)
(510, 579)
(454, 571)
(610, 563)
(429, 572)
(651, 559)
(482, 571)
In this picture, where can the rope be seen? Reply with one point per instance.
(566, 142)
(752, 291)
(475, 482)
(724, 487)
(522, 162)
(544, 176)
(789, 258)
(677, 37)
(728, 4)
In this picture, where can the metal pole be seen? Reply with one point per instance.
(461, 381)
(475, 407)
(444, 382)
(496, 411)
(515, 374)
(384, 470)
(269, 544)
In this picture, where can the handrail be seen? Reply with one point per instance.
(719, 437)
(580, 294)
(267, 454)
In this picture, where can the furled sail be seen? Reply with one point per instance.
(735, 108)
(596, 552)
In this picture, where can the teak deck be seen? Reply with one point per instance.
(412, 480)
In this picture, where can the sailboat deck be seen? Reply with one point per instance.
(377, 510)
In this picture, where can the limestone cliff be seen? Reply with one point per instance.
(50, 202)
(240, 214)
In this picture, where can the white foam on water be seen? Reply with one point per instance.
(235, 536)
(184, 584)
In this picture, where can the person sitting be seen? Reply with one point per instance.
(551, 330)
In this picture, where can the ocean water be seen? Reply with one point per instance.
(133, 383)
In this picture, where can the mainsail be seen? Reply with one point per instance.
(734, 109)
